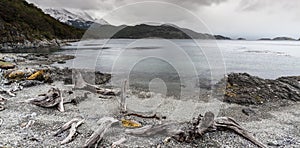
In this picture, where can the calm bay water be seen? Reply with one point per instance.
(173, 67)
(268, 59)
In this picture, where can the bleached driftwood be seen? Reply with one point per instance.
(13, 88)
(119, 142)
(206, 124)
(150, 130)
(209, 123)
(52, 99)
(123, 107)
(72, 132)
(231, 124)
(60, 106)
(72, 126)
(66, 126)
(7, 91)
(81, 84)
(98, 134)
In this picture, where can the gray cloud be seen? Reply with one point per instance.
(110, 4)
(254, 5)
(236, 18)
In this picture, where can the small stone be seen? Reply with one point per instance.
(273, 144)
(61, 62)
(248, 111)
(6, 65)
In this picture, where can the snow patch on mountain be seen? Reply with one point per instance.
(79, 19)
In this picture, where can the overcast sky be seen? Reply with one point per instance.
(251, 19)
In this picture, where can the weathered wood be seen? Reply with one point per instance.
(51, 99)
(60, 106)
(98, 134)
(71, 134)
(123, 106)
(7, 91)
(119, 142)
(66, 126)
(72, 126)
(206, 124)
(149, 130)
(231, 124)
(81, 84)
(209, 124)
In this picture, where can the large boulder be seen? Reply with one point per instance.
(242, 88)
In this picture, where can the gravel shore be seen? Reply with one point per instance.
(276, 124)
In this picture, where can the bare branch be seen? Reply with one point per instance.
(98, 134)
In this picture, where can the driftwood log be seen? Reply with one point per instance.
(123, 107)
(119, 142)
(82, 85)
(7, 91)
(98, 134)
(52, 99)
(13, 88)
(150, 130)
(209, 123)
(154, 116)
(72, 126)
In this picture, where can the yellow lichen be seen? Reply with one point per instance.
(130, 123)
(16, 74)
(37, 76)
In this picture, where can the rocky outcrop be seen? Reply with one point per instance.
(30, 44)
(245, 89)
(26, 44)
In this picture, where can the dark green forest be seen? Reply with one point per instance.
(20, 20)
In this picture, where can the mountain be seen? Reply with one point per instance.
(78, 19)
(151, 29)
(23, 23)
(148, 31)
(284, 39)
(278, 39)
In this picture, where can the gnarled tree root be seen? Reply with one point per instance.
(209, 123)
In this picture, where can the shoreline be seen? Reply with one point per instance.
(274, 123)
(44, 43)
